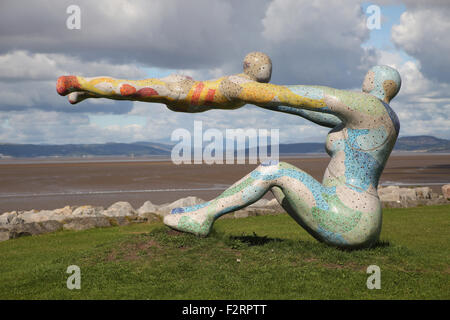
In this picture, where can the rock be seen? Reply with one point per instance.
(389, 194)
(274, 205)
(261, 203)
(423, 192)
(86, 223)
(119, 209)
(16, 220)
(51, 226)
(40, 216)
(88, 211)
(66, 211)
(268, 211)
(147, 207)
(407, 194)
(391, 204)
(241, 214)
(183, 202)
(119, 221)
(4, 234)
(149, 217)
(25, 229)
(7, 217)
(446, 191)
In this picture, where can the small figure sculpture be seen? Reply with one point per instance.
(344, 210)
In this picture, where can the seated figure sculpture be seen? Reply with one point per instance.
(344, 210)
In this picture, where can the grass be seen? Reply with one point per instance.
(265, 257)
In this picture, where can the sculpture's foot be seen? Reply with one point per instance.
(78, 96)
(198, 222)
(67, 84)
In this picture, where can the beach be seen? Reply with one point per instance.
(54, 183)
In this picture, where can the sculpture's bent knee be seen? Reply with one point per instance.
(336, 215)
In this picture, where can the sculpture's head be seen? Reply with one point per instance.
(258, 66)
(383, 82)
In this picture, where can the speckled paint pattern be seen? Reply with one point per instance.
(344, 210)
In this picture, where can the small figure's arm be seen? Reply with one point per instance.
(80, 88)
(320, 118)
(179, 93)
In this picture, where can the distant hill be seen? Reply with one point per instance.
(138, 149)
(412, 144)
(80, 150)
(422, 143)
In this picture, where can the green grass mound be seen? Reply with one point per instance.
(264, 257)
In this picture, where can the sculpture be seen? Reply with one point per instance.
(344, 210)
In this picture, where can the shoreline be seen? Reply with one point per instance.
(42, 184)
(113, 159)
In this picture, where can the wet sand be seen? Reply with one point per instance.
(49, 184)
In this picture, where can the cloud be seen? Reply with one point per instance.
(424, 33)
(422, 105)
(310, 42)
(208, 34)
(318, 42)
(28, 80)
(22, 65)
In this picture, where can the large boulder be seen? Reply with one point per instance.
(46, 215)
(423, 193)
(389, 194)
(244, 214)
(261, 203)
(148, 212)
(4, 234)
(87, 211)
(183, 202)
(86, 223)
(7, 217)
(446, 191)
(33, 228)
(407, 194)
(274, 205)
(120, 209)
(66, 211)
(147, 207)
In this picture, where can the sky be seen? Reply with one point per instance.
(309, 41)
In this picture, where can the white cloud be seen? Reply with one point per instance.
(28, 80)
(310, 42)
(422, 105)
(25, 66)
(424, 33)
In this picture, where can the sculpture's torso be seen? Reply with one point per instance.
(359, 149)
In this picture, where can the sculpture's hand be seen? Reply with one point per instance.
(67, 84)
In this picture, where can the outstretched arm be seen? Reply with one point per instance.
(340, 103)
(80, 88)
(266, 94)
(320, 118)
(179, 93)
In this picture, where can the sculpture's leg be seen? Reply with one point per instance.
(290, 180)
(316, 208)
(198, 219)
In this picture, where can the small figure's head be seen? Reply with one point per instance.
(258, 66)
(383, 82)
